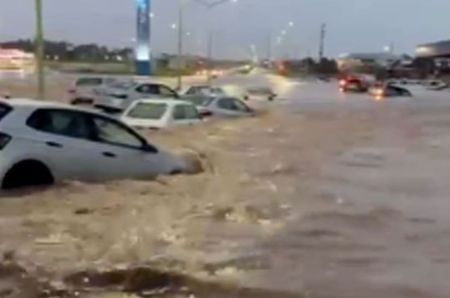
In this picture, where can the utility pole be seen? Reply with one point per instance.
(39, 50)
(180, 44)
(269, 47)
(323, 32)
(209, 58)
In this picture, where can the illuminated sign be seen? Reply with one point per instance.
(143, 49)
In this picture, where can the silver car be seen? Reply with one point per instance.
(120, 96)
(85, 90)
(222, 107)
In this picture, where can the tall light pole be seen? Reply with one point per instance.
(181, 4)
(39, 50)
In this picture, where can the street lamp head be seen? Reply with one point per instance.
(173, 26)
(291, 24)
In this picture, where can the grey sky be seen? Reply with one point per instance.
(353, 25)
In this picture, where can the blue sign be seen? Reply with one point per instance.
(143, 49)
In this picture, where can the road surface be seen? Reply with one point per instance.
(326, 195)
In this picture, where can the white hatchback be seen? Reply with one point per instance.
(42, 142)
(160, 113)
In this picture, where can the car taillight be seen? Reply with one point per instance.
(342, 82)
(4, 140)
(206, 113)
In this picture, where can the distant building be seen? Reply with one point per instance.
(360, 60)
(434, 58)
(13, 59)
(440, 49)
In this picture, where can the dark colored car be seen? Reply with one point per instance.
(382, 90)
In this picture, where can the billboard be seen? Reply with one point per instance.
(143, 49)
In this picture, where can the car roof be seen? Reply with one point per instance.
(165, 101)
(27, 103)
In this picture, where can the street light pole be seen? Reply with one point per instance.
(39, 50)
(180, 43)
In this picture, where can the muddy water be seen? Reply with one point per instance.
(329, 202)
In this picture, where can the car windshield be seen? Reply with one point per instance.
(151, 111)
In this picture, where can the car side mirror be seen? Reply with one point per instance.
(148, 148)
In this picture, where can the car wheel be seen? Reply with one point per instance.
(27, 173)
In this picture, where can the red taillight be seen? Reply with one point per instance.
(206, 113)
(342, 82)
(4, 140)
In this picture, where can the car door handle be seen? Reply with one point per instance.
(109, 154)
(54, 144)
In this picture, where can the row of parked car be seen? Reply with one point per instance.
(43, 142)
(153, 105)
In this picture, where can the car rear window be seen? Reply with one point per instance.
(152, 111)
(89, 82)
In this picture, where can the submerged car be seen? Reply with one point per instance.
(160, 113)
(436, 85)
(120, 96)
(204, 90)
(353, 84)
(382, 90)
(221, 107)
(86, 90)
(260, 93)
(42, 143)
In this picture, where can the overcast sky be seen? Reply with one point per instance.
(353, 25)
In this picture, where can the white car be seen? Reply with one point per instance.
(120, 96)
(221, 107)
(85, 90)
(160, 113)
(42, 143)
(260, 94)
(204, 90)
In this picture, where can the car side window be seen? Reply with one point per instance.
(179, 113)
(191, 112)
(239, 105)
(111, 132)
(148, 89)
(226, 103)
(185, 112)
(163, 90)
(61, 122)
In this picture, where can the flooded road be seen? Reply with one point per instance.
(322, 196)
